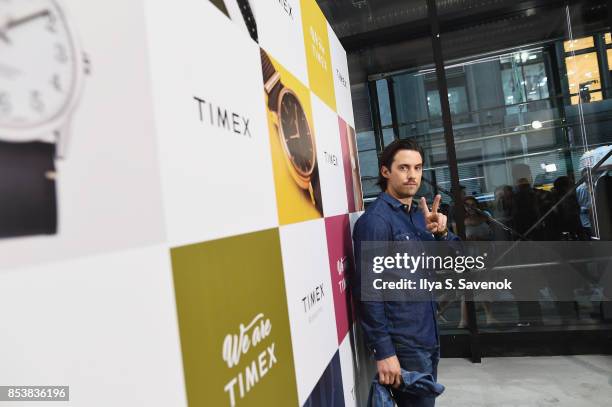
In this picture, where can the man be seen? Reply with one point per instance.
(401, 334)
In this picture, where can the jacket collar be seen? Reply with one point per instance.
(395, 204)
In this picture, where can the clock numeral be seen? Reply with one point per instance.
(35, 102)
(56, 83)
(61, 55)
(5, 103)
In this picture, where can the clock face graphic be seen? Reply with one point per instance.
(38, 63)
(295, 133)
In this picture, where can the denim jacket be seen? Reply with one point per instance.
(416, 383)
(387, 322)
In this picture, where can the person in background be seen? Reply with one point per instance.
(503, 212)
(583, 196)
(477, 228)
(528, 205)
(452, 218)
(566, 221)
(476, 222)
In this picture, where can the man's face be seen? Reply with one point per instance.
(404, 176)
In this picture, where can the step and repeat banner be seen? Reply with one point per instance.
(178, 182)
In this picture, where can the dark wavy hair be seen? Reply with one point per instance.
(388, 155)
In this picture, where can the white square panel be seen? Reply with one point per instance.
(212, 126)
(309, 301)
(329, 158)
(102, 322)
(279, 25)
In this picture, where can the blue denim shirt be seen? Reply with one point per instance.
(387, 322)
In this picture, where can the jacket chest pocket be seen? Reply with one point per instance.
(406, 236)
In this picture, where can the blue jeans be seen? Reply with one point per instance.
(419, 360)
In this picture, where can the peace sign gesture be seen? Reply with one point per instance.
(434, 222)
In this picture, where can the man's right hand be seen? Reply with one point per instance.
(389, 371)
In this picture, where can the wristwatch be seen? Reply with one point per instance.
(442, 235)
(294, 132)
(41, 76)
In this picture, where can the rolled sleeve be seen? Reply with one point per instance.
(384, 348)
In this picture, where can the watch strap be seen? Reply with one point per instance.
(315, 184)
(266, 65)
(28, 204)
(249, 18)
(268, 72)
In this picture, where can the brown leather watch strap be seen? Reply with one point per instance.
(266, 64)
(268, 72)
(315, 183)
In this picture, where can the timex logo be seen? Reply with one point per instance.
(221, 117)
(313, 298)
(341, 267)
(251, 372)
(287, 7)
(318, 49)
(341, 78)
(330, 158)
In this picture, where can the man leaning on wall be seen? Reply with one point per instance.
(401, 335)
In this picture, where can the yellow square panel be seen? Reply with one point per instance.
(318, 53)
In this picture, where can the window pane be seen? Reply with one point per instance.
(583, 77)
(388, 136)
(365, 140)
(523, 78)
(457, 98)
(536, 81)
(383, 102)
(368, 163)
(578, 44)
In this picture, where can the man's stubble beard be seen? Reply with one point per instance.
(404, 193)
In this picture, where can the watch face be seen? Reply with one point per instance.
(37, 63)
(296, 134)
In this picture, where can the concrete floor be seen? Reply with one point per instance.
(527, 381)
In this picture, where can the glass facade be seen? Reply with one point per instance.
(526, 122)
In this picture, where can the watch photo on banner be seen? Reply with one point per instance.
(355, 175)
(351, 167)
(67, 171)
(42, 70)
(293, 145)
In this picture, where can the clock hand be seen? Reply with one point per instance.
(297, 120)
(3, 23)
(12, 23)
(4, 37)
